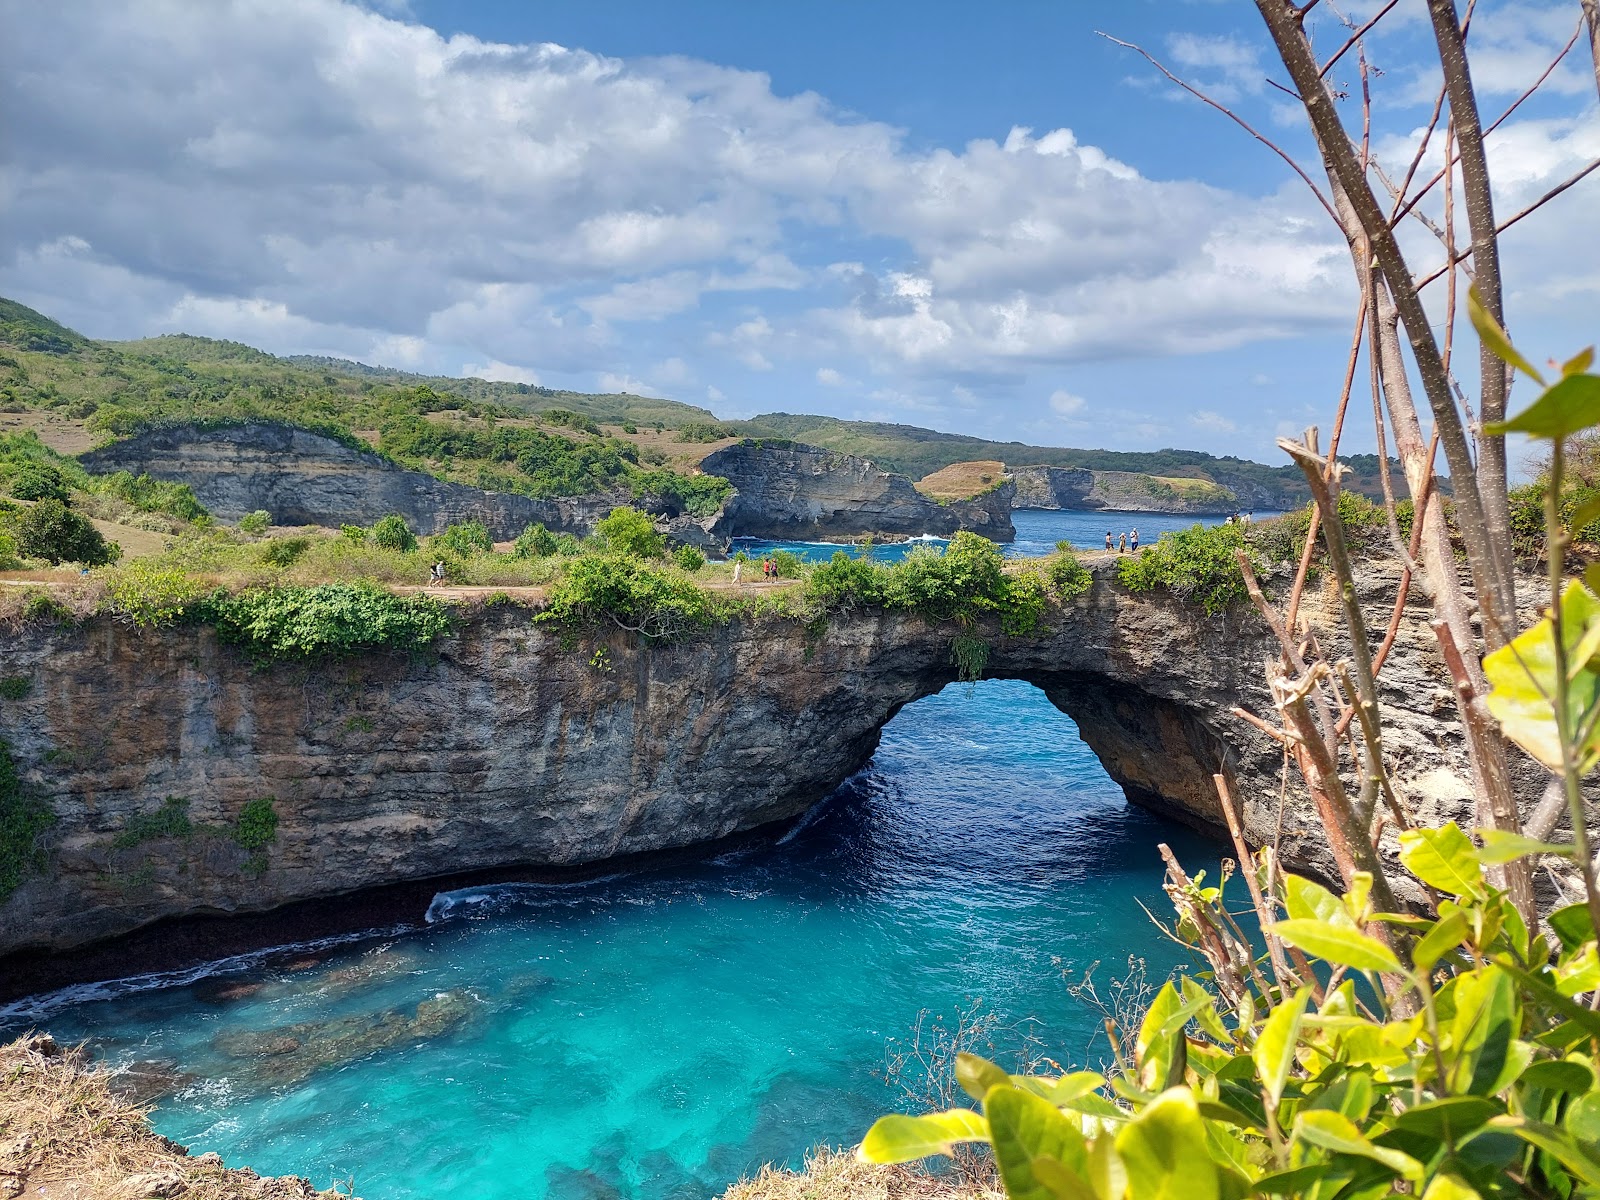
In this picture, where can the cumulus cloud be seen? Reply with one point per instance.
(1064, 403)
(499, 372)
(1212, 422)
(355, 183)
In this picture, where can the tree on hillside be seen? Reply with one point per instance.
(52, 531)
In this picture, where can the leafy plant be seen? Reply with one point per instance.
(255, 523)
(329, 619)
(629, 531)
(464, 539)
(284, 552)
(658, 604)
(689, 558)
(256, 826)
(1069, 578)
(1196, 564)
(392, 533)
(38, 481)
(23, 817)
(151, 594)
(535, 542)
(15, 687)
(52, 531)
(170, 820)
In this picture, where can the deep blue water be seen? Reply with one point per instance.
(1038, 531)
(661, 1033)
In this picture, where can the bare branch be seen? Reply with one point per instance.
(1356, 37)
(1231, 115)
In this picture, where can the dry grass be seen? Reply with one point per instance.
(64, 435)
(962, 481)
(839, 1175)
(65, 1134)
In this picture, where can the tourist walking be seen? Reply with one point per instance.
(738, 571)
(1122, 544)
(1133, 541)
(436, 574)
(1108, 540)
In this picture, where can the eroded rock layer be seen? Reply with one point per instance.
(507, 746)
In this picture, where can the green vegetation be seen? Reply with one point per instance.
(170, 820)
(1069, 578)
(392, 533)
(15, 687)
(22, 819)
(655, 602)
(51, 531)
(325, 620)
(464, 539)
(149, 593)
(284, 552)
(257, 824)
(689, 558)
(256, 523)
(1197, 564)
(631, 532)
(535, 542)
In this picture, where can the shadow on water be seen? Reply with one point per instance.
(662, 1032)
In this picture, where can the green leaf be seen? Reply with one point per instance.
(1206, 1014)
(1274, 1048)
(1583, 1120)
(1074, 1087)
(1163, 1149)
(1579, 362)
(1483, 1030)
(977, 1075)
(1346, 946)
(1444, 858)
(1023, 1128)
(1160, 1046)
(1063, 1182)
(897, 1138)
(1502, 847)
(1553, 1141)
(1448, 1119)
(1572, 924)
(1494, 337)
(1563, 1075)
(1338, 1133)
(1523, 679)
(1575, 1013)
(1308, 901)
(1292, 1182)
(1444, 937)
(1568, 406)
(1451, 1187)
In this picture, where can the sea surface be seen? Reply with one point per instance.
(1038, 531)
(659, 1034)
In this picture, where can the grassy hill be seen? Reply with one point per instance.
(504, 436)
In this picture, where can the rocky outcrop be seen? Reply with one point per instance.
(305, 478)
(1125, 491)
(788, 490)
(509, 747)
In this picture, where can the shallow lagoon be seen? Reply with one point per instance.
(658, 1034)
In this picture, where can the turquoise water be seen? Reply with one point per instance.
(661, 1033)
(1038, 531)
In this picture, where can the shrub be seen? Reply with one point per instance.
(22, 819)
(392, 533)
(353, 533)
(150, 594)
(697, 495)
(52, 531)
(1069, 578)
(843, 583)
(154, 495)
(10, 560)
(786, 564)
(689, 558)
(288, 623)
(704, 431)
(570, 419)
(535, 542)
(464, 538)
(629, 428)
(629, 531)
(284, 552)
(257, 824)
(1197, 564)
(655, 603)
(15, 687)
(170, 820)
(256, 523)
(38, 481)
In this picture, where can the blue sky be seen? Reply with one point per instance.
(981, 218)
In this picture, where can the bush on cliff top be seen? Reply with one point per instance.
(660, 604)
(326, 620)
(1196, 564)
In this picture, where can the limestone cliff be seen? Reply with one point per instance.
(1126, 491)
(305, 478)
(508, 747)
(788, 490)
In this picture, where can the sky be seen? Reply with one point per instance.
(976, 217)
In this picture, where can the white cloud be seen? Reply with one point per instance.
(1212, 422)
(1064, 403)
(828, 377)
(499, 372)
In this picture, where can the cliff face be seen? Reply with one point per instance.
(304, 478)
(506, 748)
(1127, 491)
(789, 490)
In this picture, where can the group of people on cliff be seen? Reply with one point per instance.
(1122, 545)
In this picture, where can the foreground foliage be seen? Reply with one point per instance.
(325, 620)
